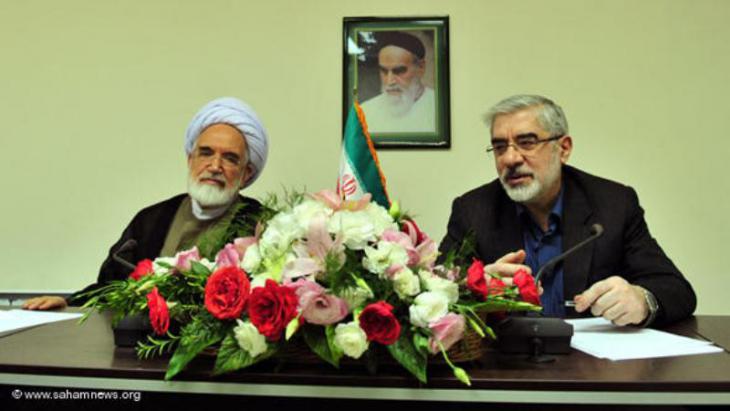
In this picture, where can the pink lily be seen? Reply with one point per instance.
(332, 200)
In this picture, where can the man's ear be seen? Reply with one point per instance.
(248, 172)
(566, 146)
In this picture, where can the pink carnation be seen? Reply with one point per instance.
(448, 330)
(227, 257)
(185, 258)
(316, 306)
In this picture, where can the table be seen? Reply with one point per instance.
(69, 355)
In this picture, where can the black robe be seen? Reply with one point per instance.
(149, 228)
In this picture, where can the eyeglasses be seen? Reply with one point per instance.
(524, 143)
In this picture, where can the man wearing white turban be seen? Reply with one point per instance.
(226, 147)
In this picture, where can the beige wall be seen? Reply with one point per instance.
(95, 97)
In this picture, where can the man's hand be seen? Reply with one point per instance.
(47, 302)
(615, 300)
(507, 265)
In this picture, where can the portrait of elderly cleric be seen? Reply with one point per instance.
(400, 99)
(227, 148)
(539, 206)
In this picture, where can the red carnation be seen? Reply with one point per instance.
(159, 315)
(496, 286)
(227, 292)
(475, 280)
(143, 268)
(526, 285)
(379, 323)
(271, 308)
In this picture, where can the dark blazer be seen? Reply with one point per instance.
(149, 228)
(626, 247)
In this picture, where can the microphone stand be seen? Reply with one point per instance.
(537, 335)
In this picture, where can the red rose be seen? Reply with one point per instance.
(143, 268)
(475, 280)
(379, 323)
(159, 315)
(526, 285)
(227, 292)
(496, 286)
(271, 308)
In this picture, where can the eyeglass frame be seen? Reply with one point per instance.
(538, 141)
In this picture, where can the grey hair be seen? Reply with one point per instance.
(550, 115)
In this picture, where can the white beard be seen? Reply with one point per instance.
(400, 104)
(210, 196)
(535, 189)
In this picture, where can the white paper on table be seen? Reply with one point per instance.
(12, 321)
(600, 338)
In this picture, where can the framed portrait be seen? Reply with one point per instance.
(398, 70)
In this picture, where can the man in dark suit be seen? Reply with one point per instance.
(540, 207)
(227, 148)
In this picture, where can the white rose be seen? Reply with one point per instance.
(428, 307)
(249, 339)
(406, 284)
(307, 210)
(435, 283)
(356, 228)
(280, 232)
(387, 254)
(351, 339)
(252, 259)
(160, 269)
(380, 218)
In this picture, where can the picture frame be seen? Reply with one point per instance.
(398, 70)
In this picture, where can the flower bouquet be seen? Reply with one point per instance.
(342, 277)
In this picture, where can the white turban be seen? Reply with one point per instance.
(236, 113)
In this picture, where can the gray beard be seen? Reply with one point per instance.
(210, 196)
(534, 190)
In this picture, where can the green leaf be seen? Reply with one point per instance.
(337, 353)
(291, 328)
(199, 269)
(408, 356)
(316, 339)
(196, 336)
(232, 357)
(420, 341)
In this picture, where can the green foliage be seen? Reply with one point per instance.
(156, 346)
(232, 357)
(196, 336)
(410, 357)
(321, 341)
(420, 341)
(462, 255)
(238, 222)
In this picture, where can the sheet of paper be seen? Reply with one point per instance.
(600, 338)
(12, 321)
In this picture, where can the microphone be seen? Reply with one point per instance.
(538, 336)
(596, 231)
(127, 246)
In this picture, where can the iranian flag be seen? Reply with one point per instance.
(360, 171)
